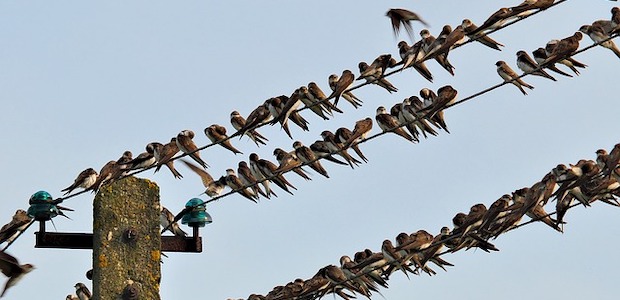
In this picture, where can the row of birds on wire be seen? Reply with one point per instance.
(419, 116)
(583, 183)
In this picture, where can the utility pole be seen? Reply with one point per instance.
(126, 239)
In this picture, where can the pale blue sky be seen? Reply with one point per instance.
(81, 82)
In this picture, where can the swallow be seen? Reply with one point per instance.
(612, 161)
(72, 297)
(84, 180)
(529, 5)
(509, 75)
(406, 116)
(429, 98)
(213, 188)
(353, 274)
(82, 291)
(265, 170)
(320, 149)
(307, 157)
(288, 161)
(235, 184)
(238, 122)
(10, 231)
(526, 64)
(601, 158)
(446, 96)
(540, 55)
(336, 147)
(217, 135)
(400, 16)
(342, 136)
(454, 38)
(166, 220)
(316, 91)
(339, 85)
(164, 155)
(187, 146)
(409, 113)
(312, 103)
(469, 27)
(248, 179)
(428, 42)
(496, 20)
(412, 57)
(289, 112)
(537, 212)
(259, 115)
(121, 168)
(496, 211)
(388, 122)
(570, 62)
(380, 81)
(564, 48)
(361, 129)
(13, 270)
(143, 160)
(597, 34)
(393, 259)
(105, 175)
(377, 68)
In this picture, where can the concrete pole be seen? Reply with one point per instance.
(126, 240)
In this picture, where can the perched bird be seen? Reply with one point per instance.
(320, 149)
(19, 222)
(509, 75)
(238, 122)
(307, 157)
(540, 55)
(84, 180)
(569, 61)
(187, 146)
(361, 129)
(259, 115)
(82, 291)
(247, 178)
(265, 171)
(316, 91)
(373, 78)
(429, 42)
(564, 48)
(217, 134)
(495, 20)
(343, 134)
(528, 5)
(454, 38)
(105, 175)
(288, 161)
(412, 57)
(469, 27)
(377, 68)
(334, 145)
(235, 184)
(143, 160)
(313, 103)
(213, 187)
(388, 122)
(339, 85)
(164, 154)
(526, 64)
(166, 220)
(11, 268)
(72, 297)
(400, 16)
(598, 35)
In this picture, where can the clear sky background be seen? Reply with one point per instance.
(81, 82)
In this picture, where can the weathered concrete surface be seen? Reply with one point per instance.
(130, 203)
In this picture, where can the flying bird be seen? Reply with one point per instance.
(186, 145)
(19, 222)
(399, 16)
(217, 134)
(509, 75)
(11, 268)
(213, 187)
(84, 180)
